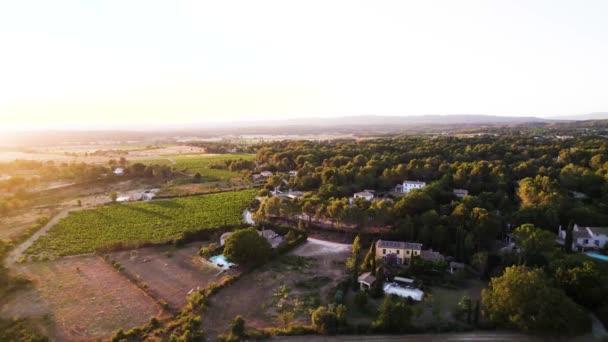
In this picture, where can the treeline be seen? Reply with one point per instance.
(222, 147)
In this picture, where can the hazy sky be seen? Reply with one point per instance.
(105, 62)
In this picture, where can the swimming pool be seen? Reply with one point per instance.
(221, 261)
(597, 256)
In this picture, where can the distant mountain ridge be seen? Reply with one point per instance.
(382, 120)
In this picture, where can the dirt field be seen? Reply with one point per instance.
(13, 226)
(297, 282)
(84, 298)
(135, 152)
(170, 273)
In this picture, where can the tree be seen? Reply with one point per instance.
(237, 327)
(324, 321)
(113, 196)
(535, 242)
(285, 318)
(538, 191)
(394, 315)
(246, 246)
(354, 262)
(582, 280)
(197, 177)
(523, 298)
(568, 239)
(369, 259)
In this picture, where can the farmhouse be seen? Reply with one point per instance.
(585, 238)
(402, 251)
(366, 280)
(408, 186)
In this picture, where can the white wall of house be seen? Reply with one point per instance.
(409, 186)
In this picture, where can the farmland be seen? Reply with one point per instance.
(84, 231)
(168, 272)
(83, 297)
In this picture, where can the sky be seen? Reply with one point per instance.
(119, 63)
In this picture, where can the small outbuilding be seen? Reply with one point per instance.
(366, 281)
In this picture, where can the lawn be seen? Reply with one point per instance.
(84, 231)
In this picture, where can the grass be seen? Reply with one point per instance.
(84, 231)
(203, 165)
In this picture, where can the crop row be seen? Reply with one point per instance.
(84, 231)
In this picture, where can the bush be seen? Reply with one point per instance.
(324, 321)
(361, 300)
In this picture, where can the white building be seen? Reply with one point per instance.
(366, 195)
(460, 193)
(408, 186)
(293, 174)
(266, 174)
(585, 238)
(119, 171)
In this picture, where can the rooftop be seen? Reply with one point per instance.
(367, 278)
(598, 230)
(398, 244)
(413, 182)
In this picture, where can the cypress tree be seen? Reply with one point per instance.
(568, 239)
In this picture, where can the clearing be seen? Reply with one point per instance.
(299, 282)
(84, 297)
(169, 272)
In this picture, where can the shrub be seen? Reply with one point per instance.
(361, 300)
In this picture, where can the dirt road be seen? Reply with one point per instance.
(16, 253)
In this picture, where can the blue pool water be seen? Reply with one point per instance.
(597, 256)
(220, 259)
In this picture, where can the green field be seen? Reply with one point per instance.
(84, 231)
(202, 165)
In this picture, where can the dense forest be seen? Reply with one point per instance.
(511, 180)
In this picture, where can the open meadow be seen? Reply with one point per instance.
(84, 231)
(83, 297)
(206, 165)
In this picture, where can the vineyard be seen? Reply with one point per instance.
(84, 231)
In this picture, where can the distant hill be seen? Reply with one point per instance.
(590, 116)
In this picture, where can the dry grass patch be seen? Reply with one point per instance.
(87, 299)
